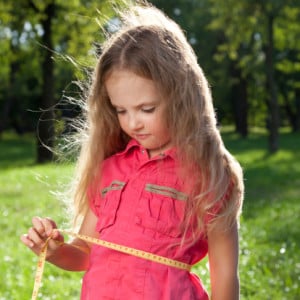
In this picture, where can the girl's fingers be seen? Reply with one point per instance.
(31, 244)
(56, 235)
(35, 236)
(49, 225)
(39, 226)
(44, 226)
(27, 241)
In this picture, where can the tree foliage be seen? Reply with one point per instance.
(46, 45)
(249, 50)
(267, 23)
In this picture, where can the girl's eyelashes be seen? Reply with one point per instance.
(120, 111)
(145, 110)
(148, 109)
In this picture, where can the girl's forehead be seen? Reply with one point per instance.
(119, 76)
(125, 85)
(118, 72)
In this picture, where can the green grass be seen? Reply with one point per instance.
(26, 191)
(269, 235)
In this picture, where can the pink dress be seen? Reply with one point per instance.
(140, 204)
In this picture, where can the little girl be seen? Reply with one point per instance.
(153, 174)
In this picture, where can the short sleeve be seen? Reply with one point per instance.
(93, 199)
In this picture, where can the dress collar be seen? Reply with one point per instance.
(134, 144)
(131, 144)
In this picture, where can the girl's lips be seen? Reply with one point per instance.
(141, 136)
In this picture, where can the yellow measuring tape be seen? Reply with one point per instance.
(131, 251)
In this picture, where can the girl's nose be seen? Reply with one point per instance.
(134, 122)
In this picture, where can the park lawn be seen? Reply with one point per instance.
(26, 190)
(269, 234)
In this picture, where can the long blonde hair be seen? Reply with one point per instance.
(153, 46)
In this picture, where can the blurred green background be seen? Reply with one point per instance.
(250, 53)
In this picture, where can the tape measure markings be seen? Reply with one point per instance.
(124, 249)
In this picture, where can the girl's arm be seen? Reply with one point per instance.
(72, 256)
(223, 251)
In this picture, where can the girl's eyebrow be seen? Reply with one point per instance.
(140, 105)
(150, 103)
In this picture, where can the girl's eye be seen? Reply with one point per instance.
(148, 110)
(120, 111)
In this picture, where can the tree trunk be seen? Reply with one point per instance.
(45, 133)
(10, 99)
(273, 117)
(297, 114)
(239, 101)
(292, 113)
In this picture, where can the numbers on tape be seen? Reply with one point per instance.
(124, 249)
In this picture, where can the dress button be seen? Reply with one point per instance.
(138, 220)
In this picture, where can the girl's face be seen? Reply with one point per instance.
(140, 110)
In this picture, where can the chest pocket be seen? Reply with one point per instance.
(161, 209)
(109, 204)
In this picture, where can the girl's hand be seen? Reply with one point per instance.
(37, 235)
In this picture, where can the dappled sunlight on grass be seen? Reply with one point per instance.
(269, 234)
(24, 193)
(16, 151)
